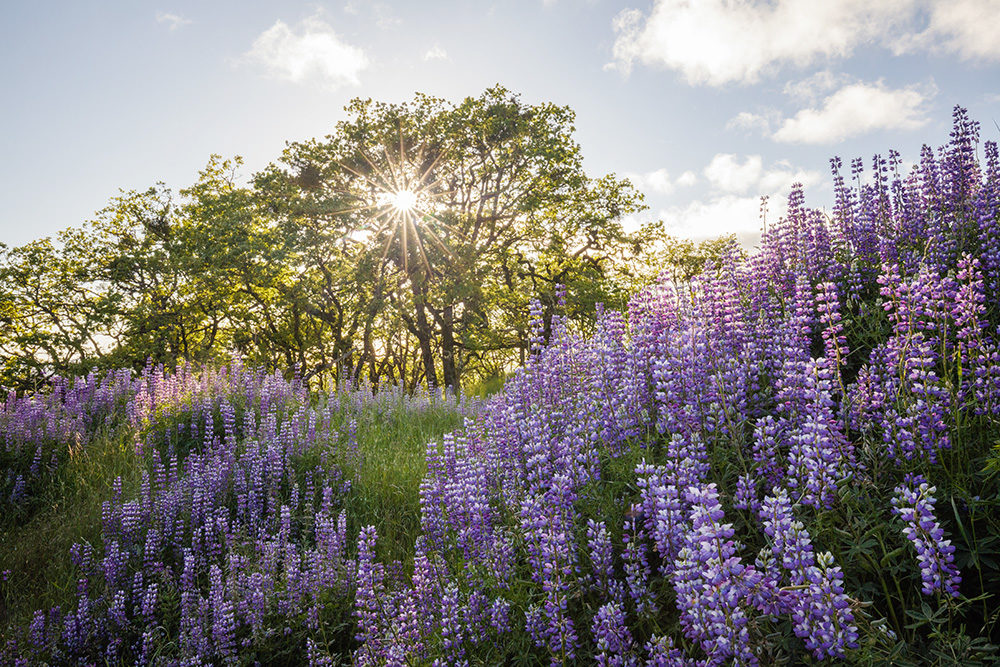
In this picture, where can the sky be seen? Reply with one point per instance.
(706, 105)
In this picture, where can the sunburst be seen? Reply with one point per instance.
(402, 197)
(404, 201)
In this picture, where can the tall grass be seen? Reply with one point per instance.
(35, 556)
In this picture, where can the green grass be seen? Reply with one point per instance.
(486, 387)
(36, 555)
(385, 480)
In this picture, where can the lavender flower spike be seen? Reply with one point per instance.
(935, 554)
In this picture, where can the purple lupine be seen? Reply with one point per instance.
(834, 341)
(663, 653)
(612, 637)
(914, 502)
(223, 618)
(453, 626)
(710, 582)
(814, 462)
(817, 603)
(662, 505)
(367, 603)
(746, 497)
(552, 556)
(36, 632)
(500, 616)
(637, 570)
(601, 553)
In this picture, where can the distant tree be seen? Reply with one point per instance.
(683, 259)
(455, 215)
(51, 315)
(300, 292)
(157, 271)
(404, 247)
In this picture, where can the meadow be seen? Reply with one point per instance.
(791, 458)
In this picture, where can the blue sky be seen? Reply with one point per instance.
(706, 104)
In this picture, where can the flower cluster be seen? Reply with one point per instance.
(39, 433)
(914, 504)
(815, 599)
(239, 518)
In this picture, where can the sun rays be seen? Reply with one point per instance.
(402, 198)
(403, 201)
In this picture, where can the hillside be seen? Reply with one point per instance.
(792, 457)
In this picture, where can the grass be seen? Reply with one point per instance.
(386, 474)
(36, 555)
(486, 387)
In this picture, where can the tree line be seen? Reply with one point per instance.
(402, 248)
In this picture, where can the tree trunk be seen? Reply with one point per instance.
(449, 370)
(424, 334)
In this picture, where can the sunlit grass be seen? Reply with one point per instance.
(40, 573)
(386, 470)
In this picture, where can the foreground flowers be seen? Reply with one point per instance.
(748, 468)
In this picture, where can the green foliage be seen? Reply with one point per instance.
(385, 468)
(310, 267)
(34, 556)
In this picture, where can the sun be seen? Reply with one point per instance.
(402, 193)
(403, 201)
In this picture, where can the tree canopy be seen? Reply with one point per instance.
(404, 247)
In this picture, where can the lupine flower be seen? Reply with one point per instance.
(914, 502)
(368, 599)
(710, 581)
(614, 641)
(817, 603)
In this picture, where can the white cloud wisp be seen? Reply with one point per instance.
(172, 21)
(313, 52)
(716, 42)
(856, 109)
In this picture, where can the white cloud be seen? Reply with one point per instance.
(384, 16)
(810, 89)
(436, 53)
(380, 12)
(173, 21)
(855, 109)
(726, 173)
(733, 213)
(687, 179)
(729, 214)
(312, 52)
(657, 181)
(733, 204)
(967, 28)
(716, 42)
(745, 120)
(660, 182)
(782, 175)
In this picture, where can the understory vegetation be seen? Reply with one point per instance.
(791, 456)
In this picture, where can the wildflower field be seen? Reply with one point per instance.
(792, 458)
